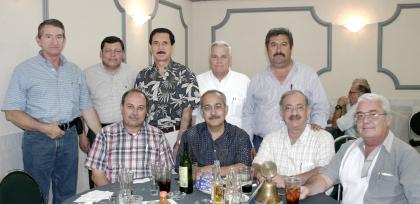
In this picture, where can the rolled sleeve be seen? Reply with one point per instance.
(84, 102)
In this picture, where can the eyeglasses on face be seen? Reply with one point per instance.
(370, 115)
(209, 108)
(289, 108)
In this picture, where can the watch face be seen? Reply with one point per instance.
(337, 107)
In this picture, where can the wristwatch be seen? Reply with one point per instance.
(338, 107)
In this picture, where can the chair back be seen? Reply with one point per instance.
(414, 129)
(341, 140)
(18, 187)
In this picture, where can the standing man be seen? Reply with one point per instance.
(170, 87)
(216, 139)
(131, 143)
(107, 82)
(267, 86)
(296, 149)
(46, 96)
(221, 77)
(378, 167)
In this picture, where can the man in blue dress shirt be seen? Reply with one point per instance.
(46, 97)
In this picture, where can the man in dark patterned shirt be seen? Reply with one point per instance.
(171, 88)
(215, 139)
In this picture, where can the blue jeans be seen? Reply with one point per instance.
(52, 160)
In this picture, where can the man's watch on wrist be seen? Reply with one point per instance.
(338, 107)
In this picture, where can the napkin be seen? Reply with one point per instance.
(94, 196)
(143, 180)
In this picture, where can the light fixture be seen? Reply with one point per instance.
(354, 24)
(139, 10)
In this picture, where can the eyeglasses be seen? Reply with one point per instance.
(370, 115)
(209, 108)
(289, 108)
(354, 92)
(109, 51)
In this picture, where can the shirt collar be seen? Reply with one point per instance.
(135, 134)
(213, 77)
(63, 60)
(387, 143)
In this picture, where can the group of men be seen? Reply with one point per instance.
(149, 116)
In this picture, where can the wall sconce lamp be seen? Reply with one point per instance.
(355, 24)
(139, 10)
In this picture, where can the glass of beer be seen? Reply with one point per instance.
(293, 184)
(217, 192)
(164, 178)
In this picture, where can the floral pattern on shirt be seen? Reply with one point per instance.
(168, 94)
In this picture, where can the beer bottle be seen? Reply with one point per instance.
(217, 193)
(185, 172)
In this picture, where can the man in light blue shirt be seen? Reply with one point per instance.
(46, 97)
(261, 111)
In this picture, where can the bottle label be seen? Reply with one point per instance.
(183, 176)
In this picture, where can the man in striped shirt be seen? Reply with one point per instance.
(131, 144)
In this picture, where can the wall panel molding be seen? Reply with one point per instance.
(310, 9)
(181, 16)
(382, 69)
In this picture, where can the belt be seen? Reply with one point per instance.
(68, 125)
(170, 129)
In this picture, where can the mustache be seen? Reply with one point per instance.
(161, 52)
(213, 117)
(279, 53)
(295, 117)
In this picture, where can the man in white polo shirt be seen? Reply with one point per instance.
(222, 78)
(378, 167)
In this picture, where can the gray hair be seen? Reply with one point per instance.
(210, 92)
(221, 43)
(360, 81)
(291, 92)
(375, 98)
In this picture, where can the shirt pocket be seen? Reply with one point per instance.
(387, 184)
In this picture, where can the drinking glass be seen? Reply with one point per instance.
(245, 175)
(154, 188)
(292, 185)
(164, 178)
(126, 181)
(136, 199)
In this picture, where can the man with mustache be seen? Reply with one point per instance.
(376, 168)
(171, 88)
(267, 86)
(216, 139)
(131, 144)
(296, 149)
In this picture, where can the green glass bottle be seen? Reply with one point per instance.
(185, 172)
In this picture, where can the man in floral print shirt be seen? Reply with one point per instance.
(171, 88)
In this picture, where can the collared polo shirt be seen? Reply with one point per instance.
(47, 94)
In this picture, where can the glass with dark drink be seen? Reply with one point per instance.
(245, 175)
(292, 184)
(164, 178)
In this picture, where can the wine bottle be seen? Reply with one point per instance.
(185, 172)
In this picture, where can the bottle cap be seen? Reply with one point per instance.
(163, 194)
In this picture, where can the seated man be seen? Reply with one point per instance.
(131, 144)
(296, 149)
(215, 139)
(342, 121)
(378, 167)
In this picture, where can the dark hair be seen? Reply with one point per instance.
(134, 90)
(110, 40)
(278, 31)
(363, 89)
(51, 22)
(291, 92)
(162, 30)
(210, 92)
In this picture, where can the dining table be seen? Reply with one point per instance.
(143, 189)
